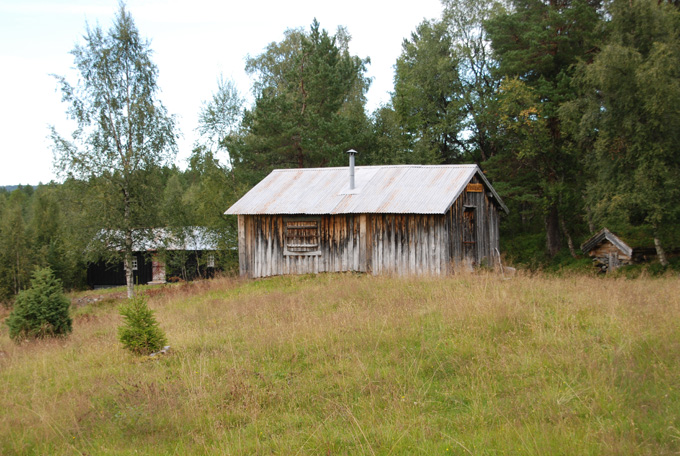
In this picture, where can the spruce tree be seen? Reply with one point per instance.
(42, 310)
(140, 332)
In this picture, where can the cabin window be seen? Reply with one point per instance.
(302, 237)
(210, 262)
(134, 263)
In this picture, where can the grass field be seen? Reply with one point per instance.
(349, 364)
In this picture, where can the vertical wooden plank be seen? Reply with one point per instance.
(424, 246)
(400, 244)
(269, 233)
(334, 244)
(369, 243)
(256, 252)
(432, 253)
(443, 246)
(389, 244)
(261, 248)
(377, 262)
(355, 244)
(397, 245)
(350, 243)
(336, 234)
(422, 264)
(342, 242)
(242, 259)
(406, 249)
(252, 243)
(323, 242)
(416, 230)
(363, 243)
(412, 228)
(436, 270)
(278, 247)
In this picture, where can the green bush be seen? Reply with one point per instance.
(140, 332)
(42, 310)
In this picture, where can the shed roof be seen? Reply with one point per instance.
(396, 189)
(606, 235)
(190, 238)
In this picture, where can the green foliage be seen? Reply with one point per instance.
(427, 106)
(124, 133)
(14, 245)
(631, 119)
(538, 55)
(42, 310)
(308, 108)
(219, 117)
(140, 332)
(445, 88)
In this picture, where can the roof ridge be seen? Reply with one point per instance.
(329, 168)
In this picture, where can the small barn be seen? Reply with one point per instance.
(403, 220)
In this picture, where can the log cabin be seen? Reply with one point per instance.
(401, 220)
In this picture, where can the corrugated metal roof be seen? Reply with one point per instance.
(399, 189)
(190, 238)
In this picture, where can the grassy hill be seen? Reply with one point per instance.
(349, 364)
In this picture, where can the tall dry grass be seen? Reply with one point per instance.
(349, 364)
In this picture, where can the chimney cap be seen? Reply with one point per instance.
(352, 152)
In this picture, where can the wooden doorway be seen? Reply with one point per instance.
(469, 236)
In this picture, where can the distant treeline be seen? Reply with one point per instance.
(54, 224)
(11, 188)
(571, 108)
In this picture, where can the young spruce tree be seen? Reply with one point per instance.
(42, 310)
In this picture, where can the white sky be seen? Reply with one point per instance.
(193, 43)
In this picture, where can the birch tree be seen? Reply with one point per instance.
(123, 133)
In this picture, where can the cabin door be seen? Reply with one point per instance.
(469, 236)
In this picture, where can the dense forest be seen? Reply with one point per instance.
(571, 108)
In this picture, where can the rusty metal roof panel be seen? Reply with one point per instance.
(399, 189)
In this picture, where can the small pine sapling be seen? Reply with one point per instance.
(140, 332)
(42, 310)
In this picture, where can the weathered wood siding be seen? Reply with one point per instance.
(400, 244)
(262, 246)
(606, 249)
(486, 229)
(408, 244)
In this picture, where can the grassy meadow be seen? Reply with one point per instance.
(349, 364)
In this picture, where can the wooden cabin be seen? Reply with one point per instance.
(404, 220)
(183, 254)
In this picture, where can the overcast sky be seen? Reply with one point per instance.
(193, 43)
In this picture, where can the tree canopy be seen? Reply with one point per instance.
(309, 103)
(570, 107)
(124, 133)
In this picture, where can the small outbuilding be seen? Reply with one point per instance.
(607, 250)
(184, 254)
(406, 219)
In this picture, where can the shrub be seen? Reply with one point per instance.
(140, 332)
(42, 310)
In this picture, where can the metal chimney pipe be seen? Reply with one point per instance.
(351, 153)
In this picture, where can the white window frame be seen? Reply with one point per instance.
(134, 263)
(210, 260)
